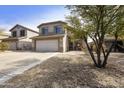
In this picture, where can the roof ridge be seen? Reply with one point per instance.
(51, 23)
(23, 27)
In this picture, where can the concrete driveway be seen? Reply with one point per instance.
(13, 63)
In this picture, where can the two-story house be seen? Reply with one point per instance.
(52, 37)
(20, 38)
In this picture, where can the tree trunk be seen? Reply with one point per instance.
(73, 45)
(91, 52)
(115, 42)
(106, 57)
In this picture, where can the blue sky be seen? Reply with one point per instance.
(30, 16)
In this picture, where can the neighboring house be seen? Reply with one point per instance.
(20, 38)
(52, 37)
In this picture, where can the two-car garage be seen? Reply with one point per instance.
(47, 45)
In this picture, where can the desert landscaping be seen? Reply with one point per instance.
(72, 69)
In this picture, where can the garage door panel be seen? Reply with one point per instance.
(47, 45)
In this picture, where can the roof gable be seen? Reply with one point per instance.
(17, 25)
(51, 23)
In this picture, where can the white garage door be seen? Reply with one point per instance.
(47, 45)
(11, 45)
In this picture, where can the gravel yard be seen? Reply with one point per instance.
(71, 69)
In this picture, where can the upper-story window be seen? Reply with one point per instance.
(14, 34)
(45, 30)
(58, 29)
(22, 33)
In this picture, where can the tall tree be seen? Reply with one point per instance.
(94, 22)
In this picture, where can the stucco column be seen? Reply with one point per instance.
(65, 43)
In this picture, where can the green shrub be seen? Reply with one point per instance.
(3, 46)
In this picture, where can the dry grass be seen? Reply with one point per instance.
(72, 70)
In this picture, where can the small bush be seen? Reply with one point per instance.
(3, 46)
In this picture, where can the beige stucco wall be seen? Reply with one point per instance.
(65, 42)
(17, 29)
(50, 27)
(29, 33)
(33, 45)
